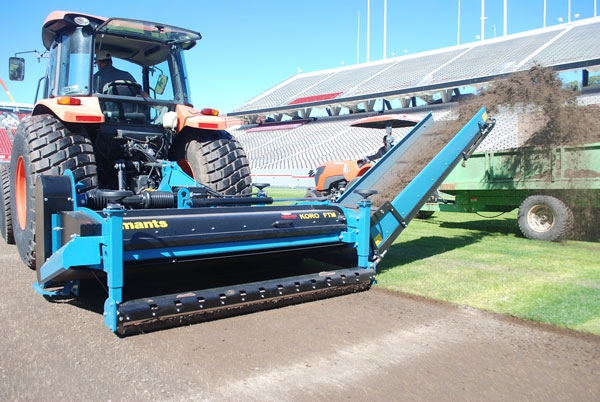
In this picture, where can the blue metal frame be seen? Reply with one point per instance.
(393, 217)
(349, 198)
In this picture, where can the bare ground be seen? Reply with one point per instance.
(370, 346)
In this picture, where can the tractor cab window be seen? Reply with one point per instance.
(75, 62)
(156, 53)
(50, 81)
(110, 68)
(159, 83)
(122, 78)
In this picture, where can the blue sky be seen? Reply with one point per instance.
(250, 46)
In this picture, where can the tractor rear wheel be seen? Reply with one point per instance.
(43, 145)
(5, 213)
(215, 159)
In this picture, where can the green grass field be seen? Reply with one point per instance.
(484, 263)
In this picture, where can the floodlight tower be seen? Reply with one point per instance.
(483, 19)
(358, 41)
(458, 29)
(368, 31)
(384, 29)
(505, 17)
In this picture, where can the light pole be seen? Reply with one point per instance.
(358, 41)
(368, 30)
(384, 29)
(505, 31)
(458, 30)
(483, 19)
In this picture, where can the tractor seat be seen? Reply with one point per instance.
(129, 112)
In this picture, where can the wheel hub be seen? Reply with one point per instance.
(541, 218)
(21, 193)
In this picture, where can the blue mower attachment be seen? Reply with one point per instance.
(272, 255)
(76, 240)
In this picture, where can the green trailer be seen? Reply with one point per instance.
(554, 188)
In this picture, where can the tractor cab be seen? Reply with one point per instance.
(124, 134)
(149, 54)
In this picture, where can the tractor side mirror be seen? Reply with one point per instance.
(161, 84)
(16, 68)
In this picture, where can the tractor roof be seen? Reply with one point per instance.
(141, 42)
(56, 21)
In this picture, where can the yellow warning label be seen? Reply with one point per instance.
(378, 239)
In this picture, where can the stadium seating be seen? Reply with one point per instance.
(311, 141)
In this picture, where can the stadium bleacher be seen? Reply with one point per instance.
(10, 116)
(410, 84)
(563, 47)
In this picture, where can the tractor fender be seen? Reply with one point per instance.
(87, 111)
(190, 117)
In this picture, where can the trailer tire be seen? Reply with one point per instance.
(6, 228)
(543, 217)
(43, 145)
(215, 159)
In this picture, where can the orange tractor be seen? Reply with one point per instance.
(332, 178)
(114, 136)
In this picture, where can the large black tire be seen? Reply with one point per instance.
(43, 145)
(6, 228)
(215, 159)
(543, 217)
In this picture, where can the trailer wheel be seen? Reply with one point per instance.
(215, 159)
(543, 217)
(43, 145)
(6, 228)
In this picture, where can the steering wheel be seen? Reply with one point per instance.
(112, 88)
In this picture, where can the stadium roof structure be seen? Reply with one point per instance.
(432, 76)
